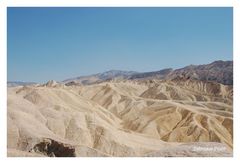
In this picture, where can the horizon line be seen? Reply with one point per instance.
(9, 81)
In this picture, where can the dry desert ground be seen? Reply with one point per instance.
(179, 117)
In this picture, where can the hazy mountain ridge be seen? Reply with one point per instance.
(19, 83)
(155, 74)
(217, 71)
(100, 77)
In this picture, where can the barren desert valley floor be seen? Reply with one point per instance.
(168, 113)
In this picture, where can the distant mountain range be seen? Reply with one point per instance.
(19, 83)
(218, 71)
(100, 77)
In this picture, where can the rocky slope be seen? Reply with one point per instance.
(218, 71)
(178, 117)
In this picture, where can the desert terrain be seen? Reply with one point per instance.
(121, 117)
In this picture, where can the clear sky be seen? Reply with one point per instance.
(60, 43)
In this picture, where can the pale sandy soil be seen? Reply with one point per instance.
(156, 118)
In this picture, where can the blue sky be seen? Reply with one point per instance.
(60, 43)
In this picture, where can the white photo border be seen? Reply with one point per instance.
(119, 3)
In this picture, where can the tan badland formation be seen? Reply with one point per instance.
(180, 117)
